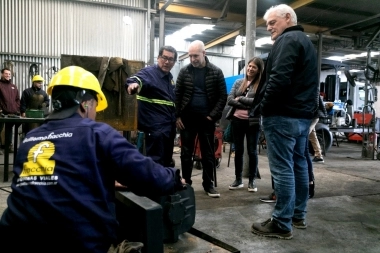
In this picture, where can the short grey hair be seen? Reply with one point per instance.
(281, 11)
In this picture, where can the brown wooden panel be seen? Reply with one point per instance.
(121, 112)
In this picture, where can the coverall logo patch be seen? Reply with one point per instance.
(39, 163)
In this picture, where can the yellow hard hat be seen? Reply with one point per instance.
(78, 77)
(37, 78)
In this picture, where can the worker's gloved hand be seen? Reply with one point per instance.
(184, 185)
(127, 247)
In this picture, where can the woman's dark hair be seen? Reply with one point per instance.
(260, 65)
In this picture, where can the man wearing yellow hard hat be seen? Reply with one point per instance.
(34, 97)
(62, 196)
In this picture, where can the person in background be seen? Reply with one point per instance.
(9, 99)
(34, 97)
(156, 108)
(63, 189)
(320, 113)
(200, 99)
(241, 99)
(287, 107)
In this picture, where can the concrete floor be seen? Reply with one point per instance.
(344, 215)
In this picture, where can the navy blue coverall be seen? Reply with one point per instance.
(156, 112)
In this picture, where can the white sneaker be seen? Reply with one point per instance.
(213, 193)
(236, 185)
(252, 186)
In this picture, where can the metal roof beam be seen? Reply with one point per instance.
(354, 23)
(374, 35)
(217, 41)
(259, 21)
(223, 15)
(201, 12)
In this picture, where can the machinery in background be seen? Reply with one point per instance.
(364, 95)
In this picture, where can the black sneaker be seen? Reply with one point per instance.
(236, 185)
(318, 160)
(252, 186)
(213, 193)
(270, 199)
(299, 223)
(269, 229)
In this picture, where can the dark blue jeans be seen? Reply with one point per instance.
(286, 142)
(205, 129)
(240, 130)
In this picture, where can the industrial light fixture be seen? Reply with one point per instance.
(189, 31)
(350, 56)
(263, 41)
(239, 39)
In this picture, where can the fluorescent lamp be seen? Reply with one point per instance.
(189, 31)
(263, 41)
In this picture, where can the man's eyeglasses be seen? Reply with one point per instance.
(170, 60)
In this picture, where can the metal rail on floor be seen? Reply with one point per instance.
(213, 240)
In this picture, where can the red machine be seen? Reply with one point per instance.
(361, 120)
(218, 141)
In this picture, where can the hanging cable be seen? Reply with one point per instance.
(33, 70)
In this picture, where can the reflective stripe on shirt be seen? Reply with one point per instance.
(155, 101)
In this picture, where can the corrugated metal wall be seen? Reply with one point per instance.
(39, 31)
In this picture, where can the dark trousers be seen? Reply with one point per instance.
(8, 137)
(310, 169)
(205, 129)
(240, 130)
(159, 145)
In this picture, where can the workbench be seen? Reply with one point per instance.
(358, 130)
(9, 123)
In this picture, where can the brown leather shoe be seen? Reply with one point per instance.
(270, 229)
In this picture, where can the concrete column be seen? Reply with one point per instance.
(250, 29)
(250, 52)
